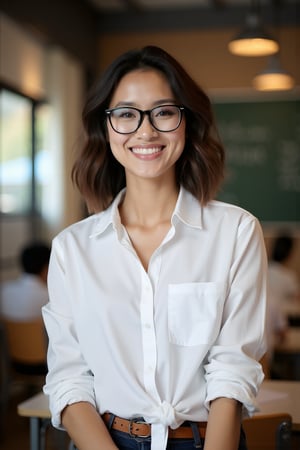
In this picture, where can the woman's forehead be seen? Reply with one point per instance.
(142, 85)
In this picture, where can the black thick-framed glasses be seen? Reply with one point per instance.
(127, 119)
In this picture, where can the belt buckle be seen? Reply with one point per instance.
(133, 435)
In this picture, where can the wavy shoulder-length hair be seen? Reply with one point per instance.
(200, 169)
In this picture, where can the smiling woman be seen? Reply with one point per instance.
(99, 191)
(160, 280)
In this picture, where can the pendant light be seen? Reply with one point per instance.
(274, 77)
(253, 40)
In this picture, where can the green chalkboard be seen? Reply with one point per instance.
(262, 141)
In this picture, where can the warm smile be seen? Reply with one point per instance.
(146, 150)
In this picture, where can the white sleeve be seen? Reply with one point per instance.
(69, 379)
(233, 369)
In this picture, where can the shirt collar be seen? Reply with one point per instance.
(187, 210)
(109, 216)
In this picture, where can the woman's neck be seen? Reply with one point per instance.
(148, 204)
(146, 213)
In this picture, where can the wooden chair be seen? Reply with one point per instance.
(268, 432)
(26, 341)
(22, 360)
(26, 350)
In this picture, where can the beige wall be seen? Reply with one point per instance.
(204, 54)
(22, 59)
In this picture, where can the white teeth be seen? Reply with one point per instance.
(145, 151)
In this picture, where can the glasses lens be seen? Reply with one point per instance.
(166, 117)
(125, 120)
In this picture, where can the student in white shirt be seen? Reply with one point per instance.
(283, 280)
(22, 298)
(157, 300)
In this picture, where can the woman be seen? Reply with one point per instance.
(157, 301)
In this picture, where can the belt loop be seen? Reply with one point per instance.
(196, 434)
(111, 420)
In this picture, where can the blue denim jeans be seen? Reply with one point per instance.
(126, 442)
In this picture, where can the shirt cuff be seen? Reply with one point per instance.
(249, 401)
(57, 405)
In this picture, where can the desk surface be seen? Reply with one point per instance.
(274, 396)
(36, 406)
(280, 396)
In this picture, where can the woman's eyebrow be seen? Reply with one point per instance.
(156, 103)
(164, 101)
(124, 104)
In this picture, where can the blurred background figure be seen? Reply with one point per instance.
(23, 298)
(284, 282)
(276, 330)
(283, 305)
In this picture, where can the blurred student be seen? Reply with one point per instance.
(283, 281)
(276, 329)
(23, 298)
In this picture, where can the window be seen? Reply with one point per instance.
(16, 152)
(23, 158)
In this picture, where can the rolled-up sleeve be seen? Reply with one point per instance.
(233, 369)
(69, 379)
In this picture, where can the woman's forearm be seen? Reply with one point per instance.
(86, 428)
(224, 424)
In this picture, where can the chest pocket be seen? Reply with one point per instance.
(194, 312)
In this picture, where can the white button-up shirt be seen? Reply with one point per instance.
(159, 344)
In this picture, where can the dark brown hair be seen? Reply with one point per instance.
(200, 169)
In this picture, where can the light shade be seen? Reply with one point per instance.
(253, 41)
(274, 78)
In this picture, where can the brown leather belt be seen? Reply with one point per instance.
(137, 428)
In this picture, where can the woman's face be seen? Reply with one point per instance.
(146, 153)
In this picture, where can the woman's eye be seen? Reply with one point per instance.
(126, 115)
(165, 113)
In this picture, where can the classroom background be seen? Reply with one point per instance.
(52, 52)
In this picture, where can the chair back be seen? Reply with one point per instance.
(268, 431)
(26, 341)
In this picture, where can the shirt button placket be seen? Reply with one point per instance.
(148, 334)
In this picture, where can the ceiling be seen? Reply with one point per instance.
(152, 15)
(146, 5)
(76, 25)
(150, 5)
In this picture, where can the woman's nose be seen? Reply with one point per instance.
(146, 128)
